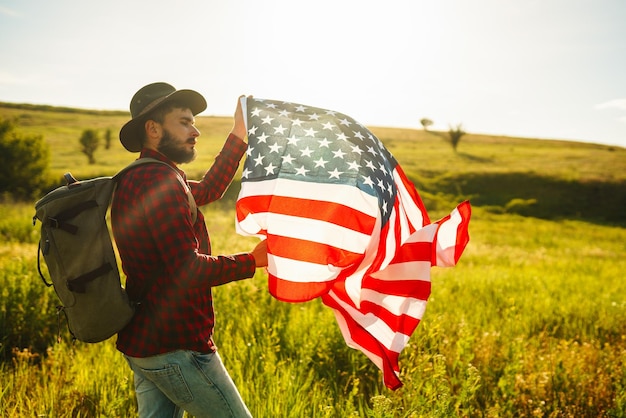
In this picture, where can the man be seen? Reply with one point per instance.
(167, 259)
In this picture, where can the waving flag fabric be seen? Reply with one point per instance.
(343, 223)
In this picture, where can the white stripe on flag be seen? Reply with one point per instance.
(343, 194)
(317, 231)
(298, 271)
(426, 234)
(408, 270)
(397, 305)
(414, 213)
(244, 110)
(252, 224)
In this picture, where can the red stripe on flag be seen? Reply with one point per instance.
(252, 204)
(413, 251)
(418, 289)
(311, 251)
(465, 210)
(289, 291)
(335, 213)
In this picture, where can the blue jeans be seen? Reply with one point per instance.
(168, 384)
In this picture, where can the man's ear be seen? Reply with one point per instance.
(152, 130)
(152, 134)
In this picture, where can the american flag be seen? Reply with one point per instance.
(343, 223)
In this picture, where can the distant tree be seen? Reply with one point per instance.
(426, 123)
(455, 134)
(107, 139)
(89, 141)
(24, 162)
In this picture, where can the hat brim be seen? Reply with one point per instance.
(131, 133)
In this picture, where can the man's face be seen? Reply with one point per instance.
(179, 136)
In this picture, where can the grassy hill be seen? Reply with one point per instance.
(532, 177)
(532, 322)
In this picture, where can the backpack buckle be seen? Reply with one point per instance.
(53, 222)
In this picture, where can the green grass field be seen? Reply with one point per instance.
(531, 323)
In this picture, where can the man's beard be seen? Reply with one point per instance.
(174, 150)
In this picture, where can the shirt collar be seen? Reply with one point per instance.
(150, 153)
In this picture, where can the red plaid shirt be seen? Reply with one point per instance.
(153, 230)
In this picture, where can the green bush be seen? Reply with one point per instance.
(537, 195)
(89, 142)
(24, 162)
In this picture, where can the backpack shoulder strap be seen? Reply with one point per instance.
(149, 160)
(192, 206)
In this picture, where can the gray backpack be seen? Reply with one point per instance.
(77, 248)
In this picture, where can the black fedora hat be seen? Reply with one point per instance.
(149, 98)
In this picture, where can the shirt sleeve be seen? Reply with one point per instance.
(167, 205)
(217, 179)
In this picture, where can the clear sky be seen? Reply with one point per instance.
(530, 68)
